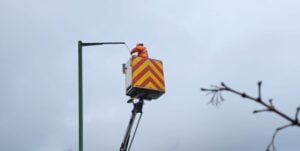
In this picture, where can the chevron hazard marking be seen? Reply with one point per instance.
(147, 73)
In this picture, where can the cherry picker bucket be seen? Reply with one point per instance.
(144, 78)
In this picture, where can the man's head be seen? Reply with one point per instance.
(140, 44)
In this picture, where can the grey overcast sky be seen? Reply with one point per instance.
(201, 42)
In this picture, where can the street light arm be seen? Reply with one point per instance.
(100, 43)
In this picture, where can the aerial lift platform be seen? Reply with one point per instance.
(144, 80)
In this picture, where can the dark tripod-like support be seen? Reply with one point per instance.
(137, 108)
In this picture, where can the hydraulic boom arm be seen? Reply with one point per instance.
(137, 108)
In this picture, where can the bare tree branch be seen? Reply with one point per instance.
(217, 98)
(271, 146)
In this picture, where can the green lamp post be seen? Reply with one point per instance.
(80, 85)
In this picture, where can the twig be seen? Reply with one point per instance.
(271, 146)
(259, 89)
(297, 113)
(271, 102)
(262, 110)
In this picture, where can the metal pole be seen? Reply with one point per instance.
(80, 86)
(80, 98)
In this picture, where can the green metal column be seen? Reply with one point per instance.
(80, 97)
(80, 86)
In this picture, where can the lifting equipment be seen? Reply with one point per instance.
(137, 108)
(144, 80)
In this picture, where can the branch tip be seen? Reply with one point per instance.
(259, 82)
(271, 101)
(259, 90)
(296, 116)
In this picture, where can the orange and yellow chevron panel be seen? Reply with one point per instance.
(147, 74)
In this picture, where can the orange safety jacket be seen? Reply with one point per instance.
(141, 50)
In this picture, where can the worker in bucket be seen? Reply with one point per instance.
(141, 50)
